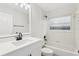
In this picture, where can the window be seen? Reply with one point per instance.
(62, 23)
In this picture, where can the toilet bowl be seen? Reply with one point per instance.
(46, 52)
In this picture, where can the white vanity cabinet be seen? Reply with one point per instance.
(30, 50)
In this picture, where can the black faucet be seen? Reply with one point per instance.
(19, 37)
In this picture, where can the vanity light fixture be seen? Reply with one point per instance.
(23, 5)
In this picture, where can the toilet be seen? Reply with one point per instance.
(46, 52)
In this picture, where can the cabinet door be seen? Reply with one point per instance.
(35, 49)
(20, 52)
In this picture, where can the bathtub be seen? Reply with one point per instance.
(62, 52)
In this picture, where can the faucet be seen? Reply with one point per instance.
(19, 37)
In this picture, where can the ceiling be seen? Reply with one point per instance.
(12, 6)
(48, 7)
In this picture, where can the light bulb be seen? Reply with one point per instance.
(21, 5)
(26, 7)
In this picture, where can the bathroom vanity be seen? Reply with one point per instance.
(13, 20)
(27, 47)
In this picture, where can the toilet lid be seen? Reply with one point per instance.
(47, 50)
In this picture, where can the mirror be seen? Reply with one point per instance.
(14, 17)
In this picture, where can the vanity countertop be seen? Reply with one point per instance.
(7, 47)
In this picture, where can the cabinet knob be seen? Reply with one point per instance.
(30, 55)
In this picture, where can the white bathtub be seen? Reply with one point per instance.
(62, 52)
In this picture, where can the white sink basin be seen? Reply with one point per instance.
(21, 42)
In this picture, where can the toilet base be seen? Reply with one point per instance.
(46, 52)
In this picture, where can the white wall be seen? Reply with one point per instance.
(62, 39)
(77, 27)
(37, 21)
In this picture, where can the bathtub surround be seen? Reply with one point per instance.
(61, 52)
(63, 39)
